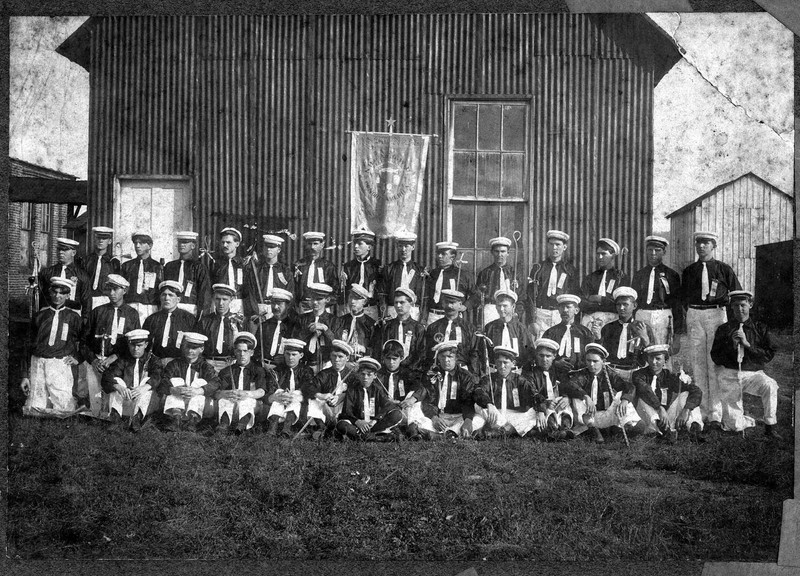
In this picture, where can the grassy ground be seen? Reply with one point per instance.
(77, 491)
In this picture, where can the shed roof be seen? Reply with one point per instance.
(699, 200)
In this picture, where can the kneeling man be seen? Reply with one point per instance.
(241, 386)
(368, 414)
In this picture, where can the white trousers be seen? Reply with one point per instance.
(98, 301)
(131, 407)
(658, 321)
(414, 415)
(144, 310)
(521, 422)
(319, 409)
(606, 418)
(596, 320)
(51, 386)
(731, 387)
(280, 409)
(392, 313)
(543, 320)
(650, 416)
(454, 422)
(238, 409)
(194, 404)
(562, 417)
(701, 326)
(191, 308)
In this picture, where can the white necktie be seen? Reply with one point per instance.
(444, 390)
(273, 349)
(220, 334)
(391, 385)
(503, 399)
(181, 277)
(437, 293)
(400, 335)
(361, 275)
(594, 390)
(338, 383)
(311, 270)
(53, 330)
(448, 330)
(565, 348)
(353, 337)
(312, 344)
(167, 326)
(404, 276)
(140, 278)
(506, 336)
(136, 373)
(231, 274)
(63, 271)
(189, 375)
(270, 280)
(366, 406)
(654, 383)
(601, 290)
(622, 346)
(502, 283)
(96, 281)
(291, 380)
(651, 285)
(740, 350)
(549, 386)
(704, 289)
(240, 382)
(114, 327)
(552, 282)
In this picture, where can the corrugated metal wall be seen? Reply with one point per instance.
(256, 111)
(746, 213)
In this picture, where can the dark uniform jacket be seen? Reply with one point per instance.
(465, 384)
(99, 323)
(289, 329)
(465, 285)
(609, 338)
(666, 293)
(324, 273)
(152, 270)
(324, 339)
(567, 282)
(539, 385)
(353, 407)
(577, 331)
(489, 279)
(410, 329)
(393, 274)
(591, 284)
(180, 321)
(282, 277)
(490, 391)
(196, 287)
(608, 384)
(108, 265)
(761, 351)
(255, 377)
(68, 332)
(200, 369)
(372, 279)
(494, 330)
(123, 368)
(73, 272)
(303, 377)
(209, 326)
(692, 282)
(220, 274)
(403, 382)
(326, 380)
(668, 387)
(468, 351)
(364, 329)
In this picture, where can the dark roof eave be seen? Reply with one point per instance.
(47, 190)
(76, 46)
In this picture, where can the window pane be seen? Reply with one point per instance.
(489, 175)
(464, 225)
(464, 174)
(465, 123)
(513, 176)
(27, 217)
(489, 125)
(24, 248)
(488, 224)
(483, 258)
(514, 126)
(512, 217)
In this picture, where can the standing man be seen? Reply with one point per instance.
(272, 275)
(241, 387)
(549, 279)
(99, 264)
(507, 331)
(741, 348)
(78, 298)
(221, 327)
(571, 336)
(597, 288)
(658, 288)
(403, 328)
(704, 293)
(626, 338)
(191, 274)
(497, 276)
(144, 274)
(168, 326)
(446, 276)
(228, 268)
(403, 273)
(313, 268)
(364, 270)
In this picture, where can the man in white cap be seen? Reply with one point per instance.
(367, 412)
(597, 288)
(402, 386)
(312, 268)
(508, 331)
(601, 399)
(68, 268)
(102, 341)
(271, 274)
(403, 273)
(626, 338)
(221, 327)
(317, 326)
(504, 399)
(553, 409)
(741, 348)
(356, 327)
(168, 325)
(453, 327)
(273, 331)
(325, 394)
(658, 287)
(364, 270)
(144, 274)
(191, 274)
(131, 380)
(188, 383)
(403, 328)
(705, 285)
(286, 399)
(667, 402)
(99, 264)
(451, 393)
(52, 371)
(228, 268)
(448, 275)
(549, 279)
(242, 386)
(496, 276)
(572, 337)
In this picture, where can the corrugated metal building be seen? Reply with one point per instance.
(543, 120)
(745, 212)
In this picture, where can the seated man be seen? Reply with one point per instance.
(508, 331)
(286, 399)
(553, 410)
(54, 363)
(626, 338)
(451, 392)
(741, 348)
(131, 379)
(367, 413)
(666, 402)
(241, 387)
(188, 382)
(572, 336)
(402, 386)
(271, 332)
(325, 393)
(601, 399)
(316, 325)
(505, 398)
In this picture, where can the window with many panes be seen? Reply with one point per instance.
(488, 155)
(25, 225)
(47, 212)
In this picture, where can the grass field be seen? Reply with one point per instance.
(77, 491)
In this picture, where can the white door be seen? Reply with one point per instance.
(161, 206)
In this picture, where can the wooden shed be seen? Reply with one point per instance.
(745, 212)
(542, 121)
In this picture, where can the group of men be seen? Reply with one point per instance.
(372, 352)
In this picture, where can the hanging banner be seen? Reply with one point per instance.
(387, 173)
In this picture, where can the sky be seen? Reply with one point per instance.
(724, 110)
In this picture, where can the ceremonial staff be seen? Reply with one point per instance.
(32, 292)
